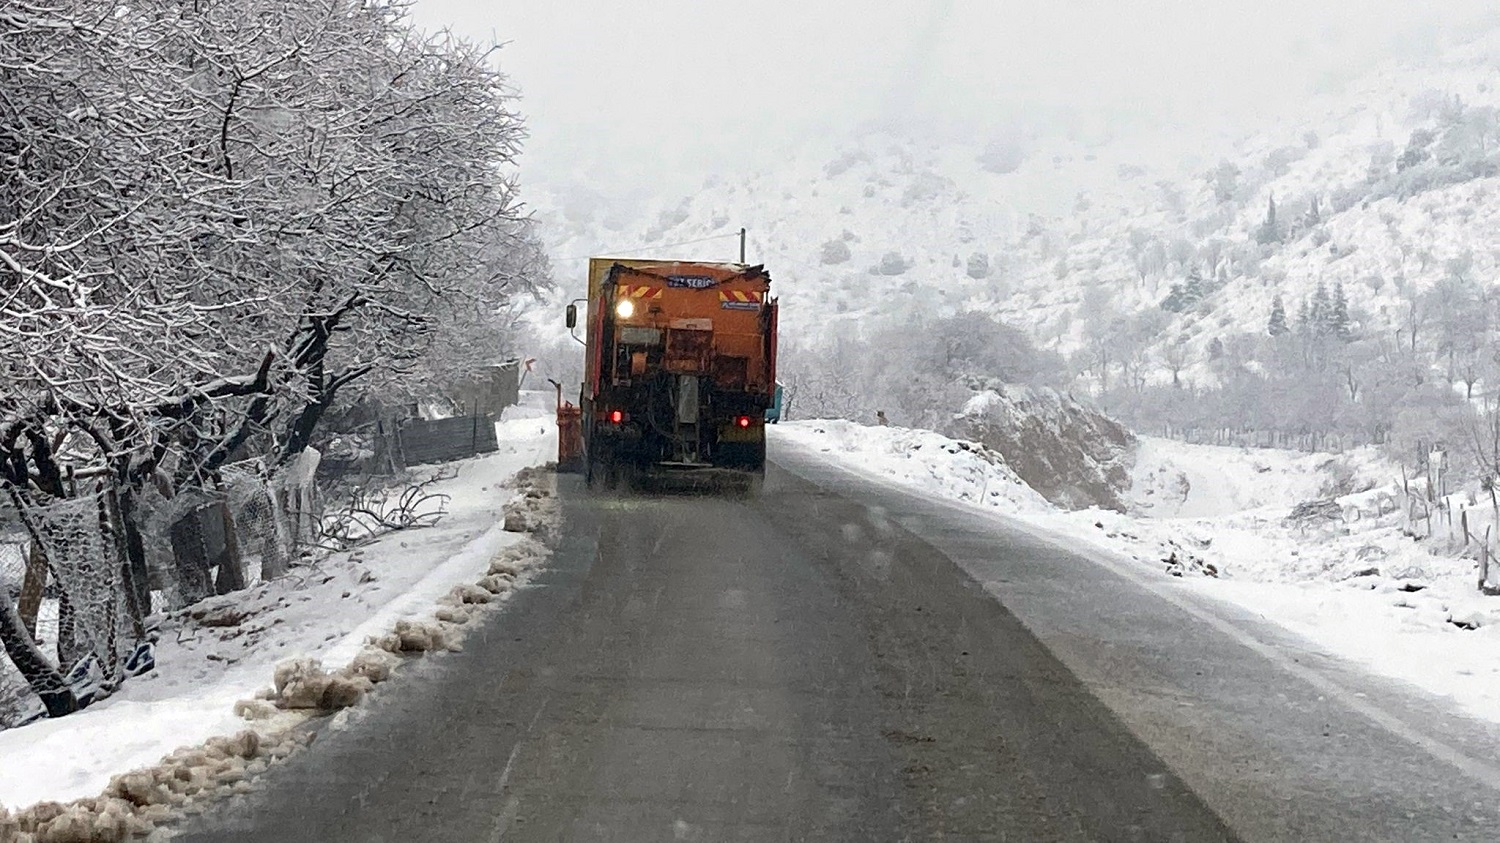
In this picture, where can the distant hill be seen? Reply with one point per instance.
(1140, 266)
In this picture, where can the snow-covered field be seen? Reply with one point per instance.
(1354, 586)
(324, 610)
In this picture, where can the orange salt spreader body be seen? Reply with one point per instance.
(679, 370)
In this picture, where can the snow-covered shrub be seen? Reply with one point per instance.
(979, 266)
(892, 263)
(845, 162)
(1002, 156)
(924, 187)
(834, 252)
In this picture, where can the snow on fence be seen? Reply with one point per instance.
(1330, 443)
(421, 442)
(1467, 523)
(85, 601)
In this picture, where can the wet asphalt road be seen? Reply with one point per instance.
(833, 661)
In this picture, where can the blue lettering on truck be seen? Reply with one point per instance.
(692, 282)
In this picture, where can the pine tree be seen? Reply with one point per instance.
(1174, 303)
(1270, 230)
(1196, 290)
(1183, 296)
(1277, 326)
(1321, 312)
(1303, 318)
(1338, 315)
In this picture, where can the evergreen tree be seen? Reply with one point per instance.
(1277, 326)
(1174, 302)
(1338, 314)
(1183, 296)
(1196, 290)
(1270, 230)
(1321, 312)
(1303, 318)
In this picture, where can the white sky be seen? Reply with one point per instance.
(623, 89)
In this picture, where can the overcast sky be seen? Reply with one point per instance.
(629, 87)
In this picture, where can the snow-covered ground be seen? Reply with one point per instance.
(325, 610)
(1354, 585)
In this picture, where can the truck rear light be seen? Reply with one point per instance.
(743, 421)
(615, 416)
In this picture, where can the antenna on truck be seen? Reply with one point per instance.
(742, 245)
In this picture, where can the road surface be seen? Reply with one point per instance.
(839, 661)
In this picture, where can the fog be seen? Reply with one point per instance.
(627, 92)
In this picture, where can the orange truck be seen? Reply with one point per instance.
(680, 369)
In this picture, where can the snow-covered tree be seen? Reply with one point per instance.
(1338, 315)
(1224, 181)
(1318, 311)
(1270, 229)
(231, 215)
(1277, 326)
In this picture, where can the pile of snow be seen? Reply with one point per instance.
(936, 464)
(1345, 575)
(358, 611)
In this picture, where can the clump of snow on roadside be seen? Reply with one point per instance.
(949, 468)
(1315, 543)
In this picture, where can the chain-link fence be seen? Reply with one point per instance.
(86, 601)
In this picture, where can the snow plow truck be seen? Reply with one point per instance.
(680, 368)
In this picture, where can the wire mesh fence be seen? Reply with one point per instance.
(1307, 442)
(86, 600)
(83, 575)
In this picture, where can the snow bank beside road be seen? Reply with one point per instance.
(324, 610)
(1357, 588)
(943, 467)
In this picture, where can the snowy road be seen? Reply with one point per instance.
(840, 661)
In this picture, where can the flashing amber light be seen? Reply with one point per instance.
(616, 417)
(744, 421)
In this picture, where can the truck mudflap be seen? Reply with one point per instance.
(698, 477)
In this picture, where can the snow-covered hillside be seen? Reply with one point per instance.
(865, 228)
(1385, 189)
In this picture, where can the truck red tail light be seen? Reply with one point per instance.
(743, 421)
(616, 416)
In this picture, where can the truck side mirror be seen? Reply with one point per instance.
(572, 316)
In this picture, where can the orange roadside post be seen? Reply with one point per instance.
(569, 434)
